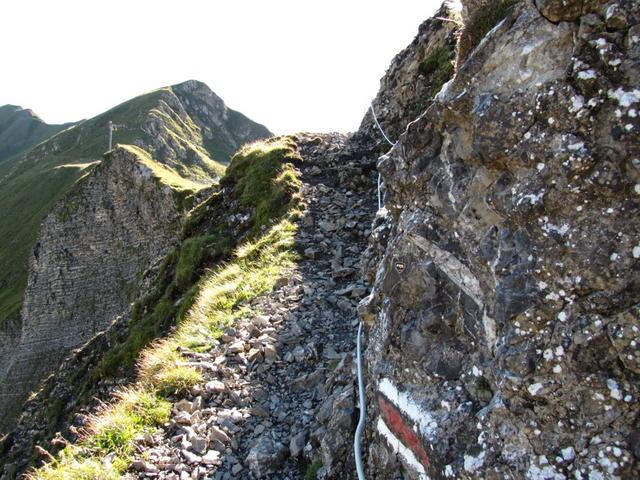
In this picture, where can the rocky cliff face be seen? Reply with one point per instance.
(96, 250)
(503, 321)
(413, 78)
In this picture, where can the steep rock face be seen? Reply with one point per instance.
(504, 317)
(413, 77)
(223, 130)
(96, 250)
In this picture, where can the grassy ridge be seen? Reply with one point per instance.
(261, 177)
(220, 296)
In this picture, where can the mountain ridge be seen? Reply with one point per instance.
(158, 121)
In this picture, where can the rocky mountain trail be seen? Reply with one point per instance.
(278, 392)
(498, 285)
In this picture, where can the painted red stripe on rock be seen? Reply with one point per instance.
(405, 433)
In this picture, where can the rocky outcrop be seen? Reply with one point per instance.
(96, 251)
(223, 130)
(413, 78)
(503, 321)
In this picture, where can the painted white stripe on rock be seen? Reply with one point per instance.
(425, 421)
(451, 267)
(398, 447)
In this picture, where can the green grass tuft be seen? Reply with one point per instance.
(194, 251)
(110, 431)
(312, 470)
(438, 67)
(71, 468)
(264, 177)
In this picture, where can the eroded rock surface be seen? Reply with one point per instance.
(412, 79)
(503, 322)
(96, 250)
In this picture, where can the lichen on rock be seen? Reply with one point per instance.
(505, 289)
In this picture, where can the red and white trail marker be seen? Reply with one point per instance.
(405, 425)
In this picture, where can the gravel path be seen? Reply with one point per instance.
(279, 387)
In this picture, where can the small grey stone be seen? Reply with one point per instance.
(266, 456)
(199, 445)
(270, 353)
(236, 347)
(183, 406)
(297, 443)
(183, 418)
(190, 457)
(215, 386)
(212, 457)
(217, 433)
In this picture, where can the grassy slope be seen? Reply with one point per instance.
(20, 130)
(261, 177)
(32, 184)
(258, 175)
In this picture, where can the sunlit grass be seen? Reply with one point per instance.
(265, 178)
(111, 430)
(165, 174)
(71, 466)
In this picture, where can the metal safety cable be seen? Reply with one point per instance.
(375, 119)
(356, 441)
(357, 437)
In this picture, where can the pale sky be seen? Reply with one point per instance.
(290, 65)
